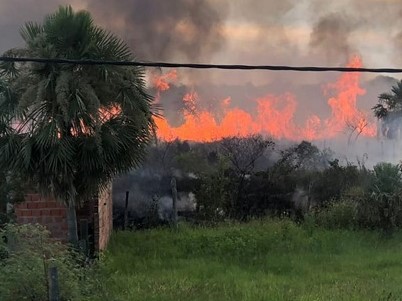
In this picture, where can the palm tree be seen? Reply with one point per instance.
(71, 128)
(389, 108)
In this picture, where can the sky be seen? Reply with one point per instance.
(285, 32)
(241, 31)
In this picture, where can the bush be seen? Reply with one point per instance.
(332, 182)
(381, 208)
(381, 211)
(26, 253)
(215, 194)
(341, 214)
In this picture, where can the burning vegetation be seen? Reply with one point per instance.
(273, 116)
(236, 163)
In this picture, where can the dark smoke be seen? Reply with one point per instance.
(331, 37)
(162, 30)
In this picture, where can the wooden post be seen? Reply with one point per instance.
(84, 236)
(53, 285)
(125, 226)
(173, 186)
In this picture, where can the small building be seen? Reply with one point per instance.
(94, 218)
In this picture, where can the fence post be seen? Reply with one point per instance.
(173, 186)
(53, 285)
(125, 226)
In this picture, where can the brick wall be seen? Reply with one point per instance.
(98, 213)
(47, 212)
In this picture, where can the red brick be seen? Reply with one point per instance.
(36, 198)
(50, 204)
(40, 220)
(45, 212)
(33, 197)
(28, 197)
(56, 205)
(54, 212)
(32, 205)
(48, 219)
(21, 205)
(41, 205)
(33, 220)
(26, 212)
(35, 212)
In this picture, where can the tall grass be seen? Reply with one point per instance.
(261, 260)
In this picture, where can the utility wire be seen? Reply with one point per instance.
(200, 66)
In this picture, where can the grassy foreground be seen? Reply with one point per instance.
(261, 260)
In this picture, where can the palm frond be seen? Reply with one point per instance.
(30, 31)
(109, 47)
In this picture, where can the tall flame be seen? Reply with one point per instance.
(163, 82)
(274, 117)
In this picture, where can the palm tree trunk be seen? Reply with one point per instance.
(72, 224)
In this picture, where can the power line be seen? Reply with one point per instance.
(201, 66)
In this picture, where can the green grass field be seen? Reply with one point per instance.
(261, 260)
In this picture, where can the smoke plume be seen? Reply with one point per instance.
(161, 30)
(331, 37)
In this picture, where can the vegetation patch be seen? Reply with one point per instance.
(259, 260)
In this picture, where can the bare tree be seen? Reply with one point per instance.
(243, 153)
(355, 126)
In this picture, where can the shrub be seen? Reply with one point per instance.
(338, 214)
(382, 206)
(215, 194)
(26, 253)
(332, 182)
(381, 211)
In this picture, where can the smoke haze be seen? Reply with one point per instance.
(162, 30)
(289, 32)
(270, 32)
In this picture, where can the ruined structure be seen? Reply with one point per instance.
(95, 218)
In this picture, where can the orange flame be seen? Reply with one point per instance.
(190, 103)
(163, 82)
(105, 114)
(275, 116)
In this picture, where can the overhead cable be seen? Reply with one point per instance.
(200, 66)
